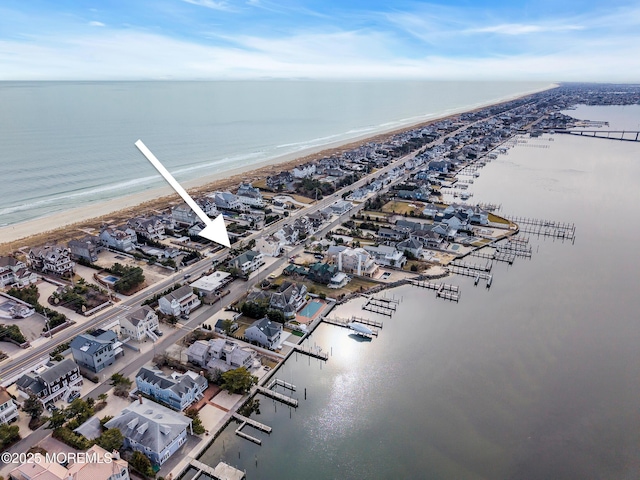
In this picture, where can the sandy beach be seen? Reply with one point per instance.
(77, 222)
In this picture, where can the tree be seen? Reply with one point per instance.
(32, 406)
(103, 397)
(80, 410)
(141, 464)
(227, 325)
(111, 440)
(238, 380)
(8, 435)
(276, 316)
(196, 423)
(58, 419)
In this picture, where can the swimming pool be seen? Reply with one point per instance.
(110, 279)
(310, 309)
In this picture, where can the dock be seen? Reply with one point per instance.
(624, 135)
(278, 396)
(473, 266)
(222, 471)
(343, 322)
(517, 249)
(312, 352)
(548, 228)
(443, 290)
(383, 306)
(476, 274)
(253, 423)
(495, 255)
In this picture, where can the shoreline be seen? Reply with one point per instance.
(77, 222)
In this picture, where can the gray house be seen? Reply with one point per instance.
(58, 380)
(156, 431)
(265, 332)
(97, 350)
(178, 391)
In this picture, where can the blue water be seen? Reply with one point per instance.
(65, 144)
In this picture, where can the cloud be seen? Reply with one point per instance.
(523, 29)
(212, 4)
(97, 24)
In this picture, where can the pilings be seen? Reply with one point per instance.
(278, 396)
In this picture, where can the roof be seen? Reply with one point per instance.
(97, 470)
(267, 327)
(40, 471)
(91, 344)
(150, 424)
(58, 370)
(138, 315)
(212, 282)
(4, 396)
(180, 384)
(180, 293)
(247, 256)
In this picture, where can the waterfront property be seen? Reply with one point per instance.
(152, 429)
(221, 354)
(14, 272)
(177, 391)
(104, 466)
(86, 249)
(52, 382)
(96, 351)
(119, 238)
(265, 332)
(51, 259)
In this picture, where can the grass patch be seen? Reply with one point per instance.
(496, 219)
(402, 208)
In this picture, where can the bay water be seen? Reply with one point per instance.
(537, 377)
(65, 144)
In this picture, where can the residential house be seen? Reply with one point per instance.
(118, 238)
(183, 216)
(8, 408)
(302, 171)
(322, 273)
(287, 235)
(341, 207)
(86, 248)
(265, 332)
(269, 246)
(180, 301)
(15, 308)
(411, 245)
(221, 323)
(150, 428)
(227, 201)
(52, 259)
(388, 256)
(51, 382)
(96, 351)
(152, 228)
(289, 298)
(14, 272)
(249, 195)
(221, 354)
(177, 391)
(140, 324)
(353, 260)
(103, 465)
(247, 262)
(277, 182)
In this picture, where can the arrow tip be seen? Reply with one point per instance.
(216, 231)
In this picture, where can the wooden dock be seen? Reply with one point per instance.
(312, 352)
(222, 471)
(496, 255)
(548, 228)
(344, 322)
(473, 266)
(383, 306)
(253, 423)
(278, 396)
(476, 274)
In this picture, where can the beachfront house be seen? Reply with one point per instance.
(86, 249)
(264, 332)
(183, 216)
(152, 228)
(302, 171)
(96, 351)
(118, 238)
(14, 272)
(51, 382)
(152, 429)
(227, 201)
(180, 301)
(51, 259)
(249, 195)
(177, 391)
(140, 324)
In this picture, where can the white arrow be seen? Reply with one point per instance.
(214, 230)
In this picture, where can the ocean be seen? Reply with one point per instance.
(65, 144)
(534, 378)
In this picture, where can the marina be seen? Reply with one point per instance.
(546, 228)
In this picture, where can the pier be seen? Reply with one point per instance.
(312, 352)
(623, 135)
(516, 249)
(222, 471)
(247, 421)
(476, 274)
(278, 396)
(473, 266)
(548, 228)
(344, 322)
(499, 256)
(443, 290)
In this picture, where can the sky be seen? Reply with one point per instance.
(547, 40)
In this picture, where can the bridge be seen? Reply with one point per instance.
(624, 135)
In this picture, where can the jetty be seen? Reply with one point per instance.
(624, 135)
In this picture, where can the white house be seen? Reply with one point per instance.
(221, 354)
(249, 195)
(353, 260)
(123, 239)
(180, 301)
(269, 246)
(140, 324)
(302, 171)
(8, 408)
(210, 285)
(51, 259)
(248, 262)
(227, 201)
(13, 271)
(265, 332)
(388, 256)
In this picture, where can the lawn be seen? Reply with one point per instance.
(496, 219)
(402, 208)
